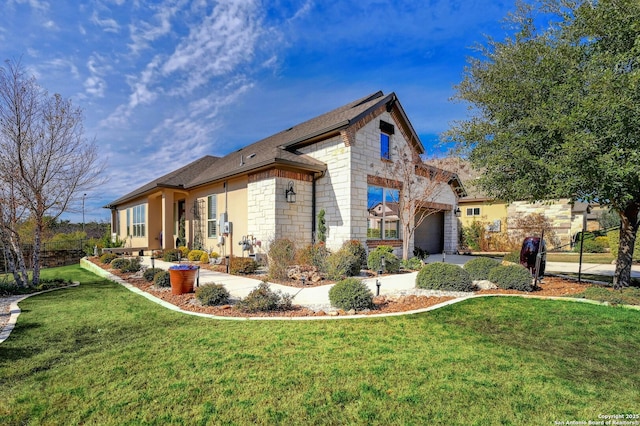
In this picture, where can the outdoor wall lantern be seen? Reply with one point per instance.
(289, 193)
(458, 212)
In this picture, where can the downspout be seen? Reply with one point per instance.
(313, 205)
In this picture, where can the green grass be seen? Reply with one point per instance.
(99, 354)
(601, 258)
(626, 296)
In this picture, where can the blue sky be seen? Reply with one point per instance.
(163, 83)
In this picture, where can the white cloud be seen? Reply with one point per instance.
(107, 24)
(50, 25)
(160, 24)
(34, 4)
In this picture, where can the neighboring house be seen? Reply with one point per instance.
(566, 219)
(274, 188)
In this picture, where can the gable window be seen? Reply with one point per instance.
(473, 211)
(212, 224)
(386, 130)
(383, 221)
(139, 220)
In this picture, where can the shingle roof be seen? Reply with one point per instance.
(279, 148)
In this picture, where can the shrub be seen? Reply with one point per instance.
(281, 255)
(212, 294)
(119, 263)
(444, 276)
(351, 293)
(341, 264)
(356, 248)
(513, 257)
(515, 277)
(172, 255)
(392, 263)
(592, 245)
(413, 264)
(162, 279)
(107, 258)
(603, 240)
(195, 255)
(420, 253)
(204, 258)
(313, 255)
(184, 251)
(150, 273)
(243, 265)
(132, 265)
(479, 267)
(263, 299)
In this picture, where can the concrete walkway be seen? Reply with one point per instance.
(318, 297)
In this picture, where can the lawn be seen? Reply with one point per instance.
(572, 257)
(100, 354)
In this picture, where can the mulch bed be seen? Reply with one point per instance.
(551, 286)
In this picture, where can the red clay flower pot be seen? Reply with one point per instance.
(182, 280)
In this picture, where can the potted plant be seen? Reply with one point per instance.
(182, 278)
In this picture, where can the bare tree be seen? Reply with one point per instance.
(419, 186)
(43, 152)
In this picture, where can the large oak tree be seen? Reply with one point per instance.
(555, 110)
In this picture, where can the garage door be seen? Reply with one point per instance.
(430, 234)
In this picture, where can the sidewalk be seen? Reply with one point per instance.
(318, 297)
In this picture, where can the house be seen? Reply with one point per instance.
(274, 188)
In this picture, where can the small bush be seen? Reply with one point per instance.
(313, 255)
(351, 293)
(391, 261)
(515, 277)
(204, 258)
(479, 267)
(592, 245)
(263, 299)
(243, 265)
(413, 264)
(119, 263)
(356, 248)
(513, 257)
(172, 255)
(107, 258)
(162, 279)
(132, 265)
(184, 251)
(281, 255)
(444, 276)
(212, 294)
(420, 253)
(150, 273)
(195, 255)
(341, 264)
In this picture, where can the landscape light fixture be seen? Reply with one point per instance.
(289, 193)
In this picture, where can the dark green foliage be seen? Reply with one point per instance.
(162, 279)
(322, 227)
(341, 264)
(513, 257)
(444, 276)
(356, 248)
(134, 265)
(479, 267)
(150, 273)
(351, 293)
(472, 235)
(263, 299)
(413, 264)
(212, 294)
(281, 255)
(421, 253)
(119, 263)
(515, 277)
(591, 245)
(106, 258)
(243, 265)
(374, 261)
(172, 255)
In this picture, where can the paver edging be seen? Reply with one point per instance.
(14, 310)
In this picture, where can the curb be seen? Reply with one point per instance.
(14, 311)
(105, 274)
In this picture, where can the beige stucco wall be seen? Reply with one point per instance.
(489, 212)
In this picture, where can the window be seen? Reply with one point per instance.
(473, 211)
(384, 221)
(128, 222)
(386, 130)
(139, 220)
(212, 224)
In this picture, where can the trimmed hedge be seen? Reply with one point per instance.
(162, 279)
(515, 277)
(150, 273)
(351, 293)
(342, 264)
(195, 255)
(107, 258)
(263, 299)
(243, 265)
(480, 267)
(212, 294)
(444, 276)
(356, 248)
(391, 261)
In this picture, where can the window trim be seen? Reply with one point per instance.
(473, 211)
(383, 220)
(212, 221)
(139, 221)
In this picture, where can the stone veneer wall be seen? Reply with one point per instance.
(261, 219)
(559, 213)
